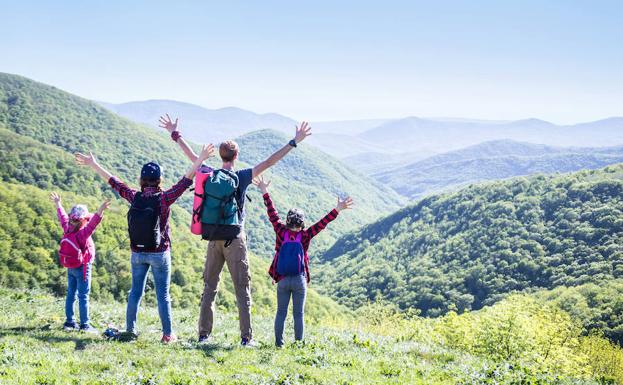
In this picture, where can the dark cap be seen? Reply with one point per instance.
(151, 170)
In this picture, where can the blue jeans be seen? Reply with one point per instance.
(76, 283)
(294, 286)
(160, 264)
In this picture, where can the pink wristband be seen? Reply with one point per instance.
(175, 135)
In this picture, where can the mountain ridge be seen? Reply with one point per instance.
(467, 249)
(492, 160)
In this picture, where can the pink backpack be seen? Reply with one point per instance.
(70, 252)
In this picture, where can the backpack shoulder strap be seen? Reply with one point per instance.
(299, 236)
(138, 197)
(72, 239)
(286, 236)
(232, 175)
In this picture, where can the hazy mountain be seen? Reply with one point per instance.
(419, 137)
(348, 127)
(492, 160)
(380, 162)
(201, 124)
(437, 136)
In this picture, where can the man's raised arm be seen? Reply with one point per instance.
(171, 127)
(302, 132)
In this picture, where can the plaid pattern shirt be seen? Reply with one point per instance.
(168, 197)
(280, 230)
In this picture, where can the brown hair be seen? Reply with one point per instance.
(228, 150)
(77, 225)
(150, 182)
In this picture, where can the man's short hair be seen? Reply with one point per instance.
(228, 150)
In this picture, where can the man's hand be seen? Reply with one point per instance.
(207, 151)
(262, 184)
(54, 197)
(103, 207)
(86, 160)
(302, 132)
(344, 204)
(167, 123)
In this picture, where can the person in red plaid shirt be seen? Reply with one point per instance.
(151, 248)
(290, 266)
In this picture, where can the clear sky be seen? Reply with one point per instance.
(559, 60)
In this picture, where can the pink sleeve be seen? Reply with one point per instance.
(88, 230)
(63, 218)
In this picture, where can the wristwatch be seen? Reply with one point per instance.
(292, 143)
(175, 135)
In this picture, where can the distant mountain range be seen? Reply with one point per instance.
(488, 161)
(436, 136)
(414, 137)
(200, 124)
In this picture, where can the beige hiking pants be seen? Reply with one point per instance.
(238, 264)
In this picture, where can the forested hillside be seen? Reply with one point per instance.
(470, 248)
(598, 307)
(311, 180)
(40, 128)
(491, 161)
(29, 236)
(45, 125)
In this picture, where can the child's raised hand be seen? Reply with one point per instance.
(207, 151)
(344, 204)
(262, 184)
(85, 160)
(105, 205)
(54, 197)
(167, 123)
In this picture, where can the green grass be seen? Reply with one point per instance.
(34, 350)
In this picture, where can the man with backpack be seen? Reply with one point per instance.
(222, 217)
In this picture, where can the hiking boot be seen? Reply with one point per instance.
(248, 342)
(168, 339)
(87, 328)
(111, 333)
(203, 339)
(70, 326)
(127, 336)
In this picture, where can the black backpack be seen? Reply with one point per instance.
(144, 222)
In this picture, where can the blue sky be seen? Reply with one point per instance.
(556, 60)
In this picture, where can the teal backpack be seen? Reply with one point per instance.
(220, 211)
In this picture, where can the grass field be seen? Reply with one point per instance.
(34, 350)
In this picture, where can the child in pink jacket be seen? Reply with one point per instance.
(78, 226)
